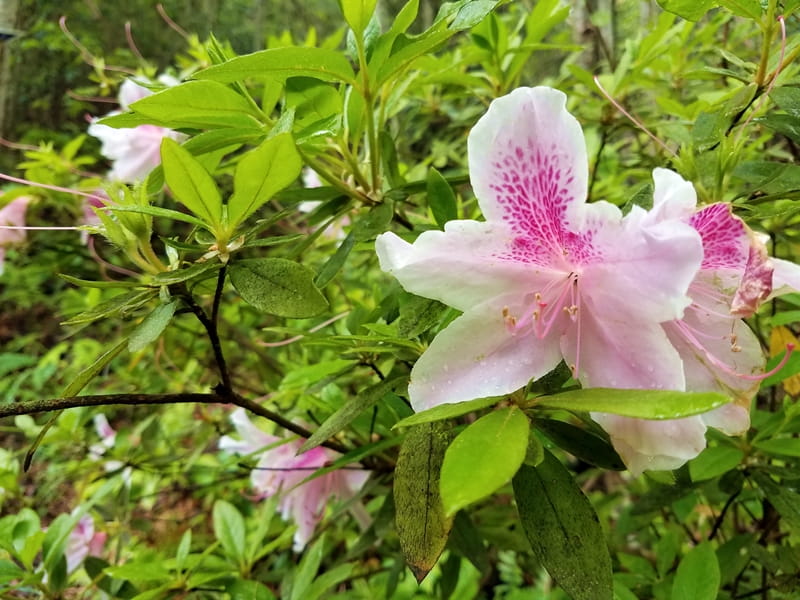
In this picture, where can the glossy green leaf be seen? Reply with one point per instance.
(190, 183)
(714, 461)
(640, 404)
(788, 125)
(483, 458)
(201, 105)
(9, 571)
(563, 529)
(350, 410)
(781, 446)
(581, 443)
(229, 529)
(446, 411)
(153, 325)
(261, 173)
(282, 63)
(471, 13)
(247, 589)
(749, 9)
(441, 198)
(787, 98)
(698, 575)
(420, 520)
(691, 10)
(278, 286)
(357, 13)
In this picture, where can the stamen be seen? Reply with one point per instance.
(686, 331)
(633, 119)
(52, 187)
(771, 83)
(578, 313)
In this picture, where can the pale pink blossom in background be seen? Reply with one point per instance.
(720, 352)
(135, 151)
(334, 231)
(108, 438)
(89, 217)
(280, 471)
(83, 541)
(12, 215)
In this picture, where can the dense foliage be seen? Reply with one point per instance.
(205, 388)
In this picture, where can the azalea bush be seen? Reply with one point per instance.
(499, 302)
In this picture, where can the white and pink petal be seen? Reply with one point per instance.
(528, 167)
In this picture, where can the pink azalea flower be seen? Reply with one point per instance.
(133, 151)
(547, 276)
(719, 351)
(334, 231)
(12, 215)
(83, 541)
(280, 470)
(108, 438)
(89, 217)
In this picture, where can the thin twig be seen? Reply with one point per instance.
(220, 396)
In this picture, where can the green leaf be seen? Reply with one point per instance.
(307, 569)
(471, 13)
(691, 10)
(184, 547)
(788, 98)
(90, 372)
(201, 105)
(447, 411)
(367, 227)
(194, 271)
(350, 410)
(483, 458)
(418, 315)
(788, 125)
(749, 9)
(563, 529)
(581, 443)
(640, 404)
(9, 571)
(357, 13)
(247, 589)
(335, 262)
(190, 183)
(260, 174)
(698, 575)
(282, 63)
(152, 326)
(441, 198)
(144, 571)
(785, 501)
(467, 541)
(229, 529)
(157, 211)
(278, 286)
(420, 520)
(781, 446)
(118, 305)
(714, 461)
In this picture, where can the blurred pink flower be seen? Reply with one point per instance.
(12, 215)
(108, 438)
(334, 231)
(89, 217)
(83, 541)
(719, 351)
(280, 471)
(133, 151)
